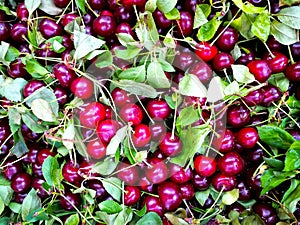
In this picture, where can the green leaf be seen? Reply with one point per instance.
(174, 14)
(6, 10)
(50, 8)
(6, 193)
(73, 25)
(232, 88)
(104, 59)
(129, 53)
(69, 135)
(241, 74)
(202, 196)
(105, 167)
(114, 143)
(12, 88)
(84, 44)
(5, 220)
(30, 203)
(126, 39)
(294, 184)
(169, 41)
(156, 77)
(113, 186)
(201, 15)
(81, 5)
(37, 215)
(32, 5)
(288, 2)
(2, 206)
(34, 68)
(151, 218)
(279, 80)
(243, 25)
(51, 171)
(275, 136)
(42, 110)
(176, 219)
(124, 217)
(136, 88)
(261, 26)
(283, 33)
(215, 90)
(166, 66)
(275, 163)
(32, 33)
(292, 200)
(153, 33)
(230, 197)
(248, 7)
(72, 220)
(137, 74)
(208, 30)
(151, 5)
(290, 16)
(19, 147)
(110, 206)
(14, 119)
(190, 85)
(166, 5)
(292, 159)
(15, 207)
(11, 54)
(55, 44)
(187, 116)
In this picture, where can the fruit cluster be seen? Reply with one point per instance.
(149, 112)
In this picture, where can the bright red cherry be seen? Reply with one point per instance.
(131, 113)
(170, 145)
(158, 109)
(64, 74)
(121, 97)
(157, 172)
(205, 51)
(169, 194)
(104, 25)
(82, 87)
(22, 12)
(226, 182)
(132, 195)
(96, 149)
(247, 137)
(153, 204)
(70, 173)
(106, 129)
(205, 166)
(141, 135)
(231, 163)
(93, 113)
(260, 69)
(180, 175)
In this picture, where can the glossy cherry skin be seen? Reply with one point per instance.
(180, 175)
(49, 28)
(244, 191)
(61, 95)
(121, 97)
(158, 109)
(124, 28)
(266, 212)
(98, 4)
(28, 134)
(226, 182)
(93, 113)
(104, 25)
(183, 60)
(97, 185)
(170, 146)
(17, 69)
(227, 39)
(277, 62)
(19, 197)
(153, 204)
(200, 182)
(169, 195)
(157, 172)
(70, 173)
(82, 88)
(75, 199)
(225, 142)
(255, 155)
(37, 185)
(187, 191)
(160, 20)
(292, 72)
(96, 149)
(205, 51)
(238, 115)
(22, 12)
(21, 182)
(260, 69)
(158, 130)
(68, 18)
(184, 24)
(4, 130)
(19, 30)
(123, 14)
(32, 86)
(271, 94)
(141, 135)
(61, 3)
(231, 163)
(131, 113)
(4, 31)
(222, 61)
(254, 97)
(106, 129)
(247, 55)
(64, 74)
(11, 169)
(205, 166)
(127, 173)
(132, 195)
(203, 71)
(247, 137)
(43, 154)
(37, 170)
(33, 150)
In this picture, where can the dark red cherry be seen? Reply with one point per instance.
(97, 185)
(158, 109)
(247, 137)
(170, 145)
(187, 191)
(184, 24)
(49, 28)
(157, 171)
(17, 69)
(96, 149)
(221, 181)
(255, 155)
(128, 173)
(260, 69)
(272, 94)
(68, 18)
(98, 4)
(254, 97)
(277, 62)
(19, 197)
(32, 86)
(11, 169)
(121, 97)
(200, 182)
(203, 71)
(132, 195)
(24, 48)
(61, 3)
(64, 74)
(22, 12)
(141, 135)
(247, 55)
(104, 25)
(244, 191)
(231, 163)
(295, 50)
(37, 184)
(180, 175)
(32, 153)
(69, 200)
(227, 39)
(146, 185)
(4, 130)
(19, 32)
(266, 212)
(131, 113)
(158, 130)
(273, 44)
(169, 195)
(238, 115)
(161, 21)
(43, 154)
(4, 31)
(222, 61)
(106, 129)
(61, 95)
(93, 113)
(70, 173)
(28, 134)
(205, 166)
(183, 60)
(190, 5)
(21, 182)
(122, 14)
(124, 28)
(44, 52)
(37, 170)
(225, 141)
(292, 72)
(153, 204)
(205, 51)
(82, 87)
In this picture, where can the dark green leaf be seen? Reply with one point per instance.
(174, 14)
(248, 7)
(279, 80)
(129, 53)
(81, 5)
(290, 16)
(190, 85)
(292, 200)
(292, 159)
(208, 30)
(150, 218)
(50, 169)
(34, 68)
(32, 5)
(201, 15)
(50, 8)
(37, 215)
(105, 167)
(283, 33)
(14, 119)
(11, 54)
(166, 5)
(30, 203)
(261, 26)
(104, 59)
(202, 196)
(32, 33)
(275, 163)
(137, 74)
(6, 10)
(4, 220)
(113, 186)
(275, 136)
(110, 206)
(32, 123)
(72, 220)
(288, 2)
(12, 88)
(142, 211)
(20, 147)
(156, 76)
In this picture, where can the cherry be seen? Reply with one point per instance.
(266, 212)
(4, 31)
(205, 51)
(254, 98)
(33, 150)
(203, 71)
(277, 62)
(225, 142)
(141, 135)
(17, 69)
(273, 44)
(157, 172)
(227, 39)
(260, 69)
(187, 191)
(169, 195)
(235, 207)
(253, 180)
(170, 145)
(123, 14)
(106, 129)
(18, 31)
(68, 18)
(205, 166)
(37, 185)
(22, 12)
(44, 52)
(32, 86)
(153, 204)
(247, 55)
(247, 137)
(61, 95)
(97, 185)
(295, 50)
(19, 197)
(37, 170)
(255, 155)
(121, 97)
(4, 130)
(184, 24)
(200, 182)
(146, 185)
(158, 130)
(49, 28)
(183, 61)
(231, 163)
(98, 4)
(61, 3)
(292, 72)
(104, 25)
(43, 154)
(132, 195)
(70, 173)
(128, 173)
(271, 94)
(161, 21)
(11, 169)
(96, 149)
(131, 113)
(130, 3)
(64, 74)
(158, 109)
(221, 181)
(190, 5)
(180, 175)
(222, 61)
(124, 28)
(93, 113)
(69, 200)
(21, 182)
(82, 88)
(238, 115)
(244, 191)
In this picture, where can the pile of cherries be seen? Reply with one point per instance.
(231, 162)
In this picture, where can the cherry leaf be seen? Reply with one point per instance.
(151, 5)
(150, 218)
(31, 121)
(248, 7)
(283, 33)
(261, 26)
(12, 88)
(2, 206)
(81, 5)
(190, 85)
(230, 197)
(174, 14)
(32, 5)
(42, 110)
(200, 15)
(68, 136)
(166, 5)
(156, 76)
(288, 2)
(31, 202)
(290, 16)
(105, 167)
(232, 88)
(137, 73)
(72, 220)
(208, 30)
(110, 206)
(114, 143)
(241, 74)
(215, 90)
(113, 186)
(49, 7)
(14, 119)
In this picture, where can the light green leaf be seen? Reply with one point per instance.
(14, 119)
(50, 170)
(261, 26)
(200, 15)
(105, 167)
(169, 41)
(126, 39)
(30, 203)
(72, 220)
(6, 193)
(113, 186)
(283, 33)
(279, 80)
(290, 16)
(81, 5)
(69, 135)
(50, 8)
(232, 88)
(34, 67)
(31, 121)
(114, 143)
(174, 14)
(166, 5)
(2, 206)
(32, 5)
(156, 76)
(248, 7)
(129, 53)
(110, 206)
(137, 73)
(42, 110)
(230, 197)
(243, 24)
(208, 30)
(151, 5)
(241, 74)
(190, 85)
(202, 196)
(12, 88)
(292, 159)
(215, 90)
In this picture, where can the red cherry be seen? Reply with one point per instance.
(93, 113)
(128, 173)
(21, 182)
(141, 135)
(70, 200)
(231, 163)
(158, 109)
(205, 51)
(157, 172)
(169, 194)
(247, 137)
(153, 204)
(170, 146)
(205, 166)
(260, 69)
(96, 149)
(82, 88)
(106, 129)
(70, 173)
(121, 97)
(131, 113)
(64, 74)
(132, 195)
(226, 182)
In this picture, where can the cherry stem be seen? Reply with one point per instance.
(291, 55)
(269, 50)
(175, 117)
(260, 145)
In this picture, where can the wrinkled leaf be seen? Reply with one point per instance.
(283, 33)
(292, 159)
(208, 30)
(290, 16)
(230, 197)
(156, 76)
(200, 15)
(12, 88)
(32, 5)
(42, 110)
(190, 85)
